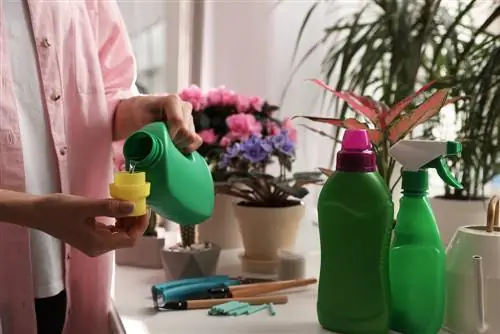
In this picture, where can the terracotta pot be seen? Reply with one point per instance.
(145, 253)
(222, 228)
(264, 230)
(453, 214)
(180, 264)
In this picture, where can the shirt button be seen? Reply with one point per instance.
(62, 151)
(46, 43)
(55, 96)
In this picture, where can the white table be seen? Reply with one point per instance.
(134, 305)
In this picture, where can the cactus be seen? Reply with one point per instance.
(189, 235)
(151, 229)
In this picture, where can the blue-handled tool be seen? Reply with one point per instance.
(158, 288)
(195, 288)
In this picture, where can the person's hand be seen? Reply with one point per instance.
(73, 219)
(136, 112)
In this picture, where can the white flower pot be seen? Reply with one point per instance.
(452, 214)
(265, 230)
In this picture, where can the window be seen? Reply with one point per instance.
(160, 32)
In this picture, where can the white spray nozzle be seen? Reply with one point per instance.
(422, 154)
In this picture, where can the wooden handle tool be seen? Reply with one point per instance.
(261, 288)
(209, 303)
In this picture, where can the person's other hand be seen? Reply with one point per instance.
(73, 219)
(136, 112)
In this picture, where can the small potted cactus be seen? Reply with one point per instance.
(146, 253)
(190, 258)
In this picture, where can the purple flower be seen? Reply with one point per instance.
(233, 150)
(256, 150)
(283, 143)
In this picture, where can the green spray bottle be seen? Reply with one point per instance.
(417, 255)
(181, 185)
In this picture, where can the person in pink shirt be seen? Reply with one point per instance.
(67, 76)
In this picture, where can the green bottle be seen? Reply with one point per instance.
(355, 218)
(182, 188)
(417, 257)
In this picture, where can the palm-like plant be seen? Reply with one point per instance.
(389, 48)
(475, 72)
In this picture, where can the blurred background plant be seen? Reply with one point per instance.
(388, 48)
(475, 73)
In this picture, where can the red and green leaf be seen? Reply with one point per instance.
(368, 101)
(327, 172)
(375, 136)
(396, 110)
(363, 105)
(350, 123)
(406, 123)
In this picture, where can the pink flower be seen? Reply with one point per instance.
(272, 128)
(195, 96)
(241, 126)
(208, 136)
(226, 140)
(292, 132)
(242, 103)
(221, 97)
(229, 98)
(256, 103)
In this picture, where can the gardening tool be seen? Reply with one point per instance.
(209, 303)
(195, 288)
(473, 276)
(250, 290)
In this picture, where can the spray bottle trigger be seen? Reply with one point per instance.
(440, 165)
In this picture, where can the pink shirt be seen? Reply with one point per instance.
(86, 67)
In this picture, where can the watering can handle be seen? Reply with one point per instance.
(493, 214)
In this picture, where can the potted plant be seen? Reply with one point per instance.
(386, 125)
(190, 258)
(270, 208)
(221, 117)
(388, 49)
(146, 251)
(478, 123)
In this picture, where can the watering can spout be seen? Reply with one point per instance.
(479, 279)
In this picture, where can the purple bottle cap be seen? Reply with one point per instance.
(356, 140)
(356, 154)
